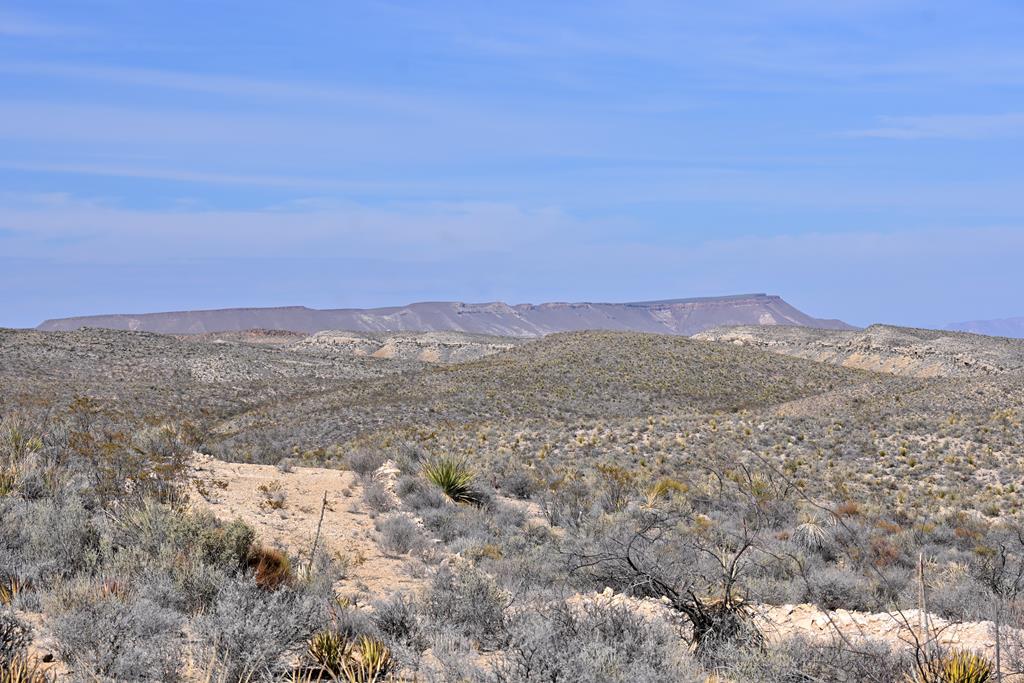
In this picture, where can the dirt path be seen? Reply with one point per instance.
(284, 508)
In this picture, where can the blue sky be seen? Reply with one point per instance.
(862, 159)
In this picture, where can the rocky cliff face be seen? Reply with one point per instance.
(883, 348)
(675, 316)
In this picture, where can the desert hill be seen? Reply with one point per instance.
(675, 316)
(885, 348)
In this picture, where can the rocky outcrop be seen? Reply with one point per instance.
(674, 316)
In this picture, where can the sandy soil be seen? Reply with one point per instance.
(232, 490)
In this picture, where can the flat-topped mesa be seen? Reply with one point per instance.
(670, 316)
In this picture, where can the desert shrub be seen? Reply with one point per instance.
(519, 484)
(125, 468)
(195, 587)
(365, 463)
(274, 495)
(446, 524)
(963, 598)
(568, 501)
(455, 479)
(396, 620)
(467, 600)
(616, 486)
(834, 587)
(271, 567)
(796, 659)
(62, 539)
(159, 531)
(665, 488)
(15, 636)
(251, 632)
(112, 639)
(399, 535)
(378, 498)
(416, 494)
(219, 544)
(592, 643)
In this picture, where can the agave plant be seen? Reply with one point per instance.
(455, 478)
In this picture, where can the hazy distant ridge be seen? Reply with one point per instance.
(674, 316)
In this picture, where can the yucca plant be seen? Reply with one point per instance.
(371, 663)
(330, 649)
(811, 534)
(954, 667)
(22, 669)
(455, 478)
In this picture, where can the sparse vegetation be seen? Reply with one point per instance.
(699, 482)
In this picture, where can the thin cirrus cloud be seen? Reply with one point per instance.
(946, 127)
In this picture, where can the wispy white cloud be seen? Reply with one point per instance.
(950, 127)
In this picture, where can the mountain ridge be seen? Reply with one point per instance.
(670, 316)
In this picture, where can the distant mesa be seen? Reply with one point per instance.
(672, 316)
(1002, 327)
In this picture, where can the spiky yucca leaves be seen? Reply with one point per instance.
(23, 669)
(955, 667)
(365, 660)
(455, 478)
(371, 663)
(330, 649)
(811, 534)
